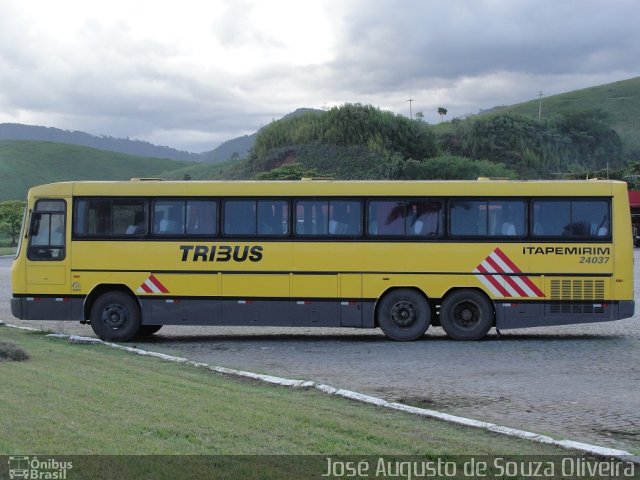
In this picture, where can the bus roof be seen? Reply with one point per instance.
(485, 187)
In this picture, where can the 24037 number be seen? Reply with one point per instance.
(594, 259)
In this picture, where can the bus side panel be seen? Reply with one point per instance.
(170, 311)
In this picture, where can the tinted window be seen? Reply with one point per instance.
(169, 217)
(328, 217)
(202, 217)
(492, 218)
(273, 217)
(256, 217)
(571, 218)
(110, 217)
(414, 218)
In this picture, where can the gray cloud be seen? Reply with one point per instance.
(112, 77)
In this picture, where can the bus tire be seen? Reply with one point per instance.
(466, 315)
(115, 316)
(403, 315)
(147, 330)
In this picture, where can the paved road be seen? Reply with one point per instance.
(580, 382)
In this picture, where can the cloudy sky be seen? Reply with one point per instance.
(191, 74)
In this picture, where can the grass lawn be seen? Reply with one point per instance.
(69, 399)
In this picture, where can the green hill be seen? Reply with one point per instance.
(619, 100)
(24, 164)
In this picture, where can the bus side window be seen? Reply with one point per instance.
(240, 217)
(202, 217)
(582, 218)
(510, 217)
(387, 217)
(168, 217)
(273, 217)
(468, 218)
(312, 217)
(128, 217)
(345, 218)
(424, 218)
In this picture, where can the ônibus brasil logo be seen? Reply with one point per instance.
(35, 468)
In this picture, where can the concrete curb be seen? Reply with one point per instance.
(363, 398)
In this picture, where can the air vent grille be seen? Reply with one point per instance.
(571, 291)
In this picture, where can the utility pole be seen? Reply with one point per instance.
(540, 105)
(410, 111)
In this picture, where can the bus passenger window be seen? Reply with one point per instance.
(128, 217)
(491, 218)
(468, 218)
(424, 218)
(168, 217)
(387, 217)
(344, 218)
(273, 217)
(137, 227)
(202, 217)
(508, 217)
(312, 217)
(240, 217)
(586, 218)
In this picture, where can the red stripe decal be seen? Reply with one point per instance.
(158, 285)
(507, 260)
(493, 281)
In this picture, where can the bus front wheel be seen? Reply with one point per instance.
(403, 315)
(115, 316)
(466, 315)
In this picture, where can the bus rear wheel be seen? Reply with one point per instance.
(466, 315)
(115, 316)
(403, 315)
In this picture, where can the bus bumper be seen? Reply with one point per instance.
(16, 308)
(543, 314)
(47, 308)
(626, 308)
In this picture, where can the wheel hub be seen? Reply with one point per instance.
(467, 315)
(114, 316)
(403, 314)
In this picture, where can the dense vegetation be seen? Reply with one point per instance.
(573, 142)
(620, 101)
(363, 142)
(357, 142)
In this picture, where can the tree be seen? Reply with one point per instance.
(11, 213)
(294, 171)
(419, 116)
(442, 112)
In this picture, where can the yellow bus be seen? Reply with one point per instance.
(129, 257)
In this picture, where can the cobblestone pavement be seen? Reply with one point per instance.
(580, 382)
